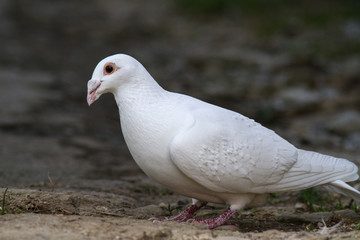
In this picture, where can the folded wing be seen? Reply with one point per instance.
(227, 152)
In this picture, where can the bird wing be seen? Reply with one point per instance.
(227, 152)
(312, 169)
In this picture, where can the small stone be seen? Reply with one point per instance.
(147, 211)
(163, 205)
(300, 206)
(344, 122)
(183, 202)
(296, 99)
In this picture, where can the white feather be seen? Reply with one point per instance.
(208, 152)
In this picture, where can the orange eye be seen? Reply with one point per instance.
(109, 68)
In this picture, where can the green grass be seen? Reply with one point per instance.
(3, 208)
(274, 198)
(171, 209)
(154, 190)
(339, 205)
(276, 16)
(313, 200)
(309, 227)
(165, 191)
(354, 207)
(204, 7)
(357, 226)
(317, 202)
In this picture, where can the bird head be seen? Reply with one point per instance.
(109, 74)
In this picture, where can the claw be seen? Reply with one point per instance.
(190, 220)
(154, 219)
(187, 216)
(218, 221)
(183, 216)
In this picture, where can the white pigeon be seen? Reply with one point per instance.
(206, 152)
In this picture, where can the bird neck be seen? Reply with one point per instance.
(141, 90)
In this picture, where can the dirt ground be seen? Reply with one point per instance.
(69, 175)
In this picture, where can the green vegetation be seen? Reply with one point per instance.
(354, 207)
(313, 200)
(288, 19)
(171, 209)
(278, 16)
(319, 13)
(165, 191)
(154, 190)
(340, 205)
(274, 198)
(309, 227)
(204, 6)
(3, 208)
(357, 226)
(324, 203)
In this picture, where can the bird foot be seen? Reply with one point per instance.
(218, 221)
(183, 216)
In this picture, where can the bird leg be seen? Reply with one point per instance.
(184, 215)
(216, 222)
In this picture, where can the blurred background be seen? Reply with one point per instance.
(293, 66)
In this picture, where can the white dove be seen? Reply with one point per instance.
(206, 152)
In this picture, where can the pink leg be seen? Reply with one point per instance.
(184, 215)
(218, 221)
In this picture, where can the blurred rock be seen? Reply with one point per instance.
(352, 29)
(344, 123)
(21, 90)
(319, 216)
(352, 142)
(297, 99)
(182, 202)
(300, 206)
(163, 205)
(147, 211)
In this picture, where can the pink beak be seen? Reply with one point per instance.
(92, 96)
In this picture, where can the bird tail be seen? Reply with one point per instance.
(313, 169)
(334, 168)
(341, 187)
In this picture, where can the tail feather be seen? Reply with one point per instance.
(340, 187)
(313, 169)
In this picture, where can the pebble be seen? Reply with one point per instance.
(300, 206)
(345, 122)
(163, 205)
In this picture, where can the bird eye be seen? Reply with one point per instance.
(109, 68)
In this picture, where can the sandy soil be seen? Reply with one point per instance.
(66, 166)
(84, 214)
